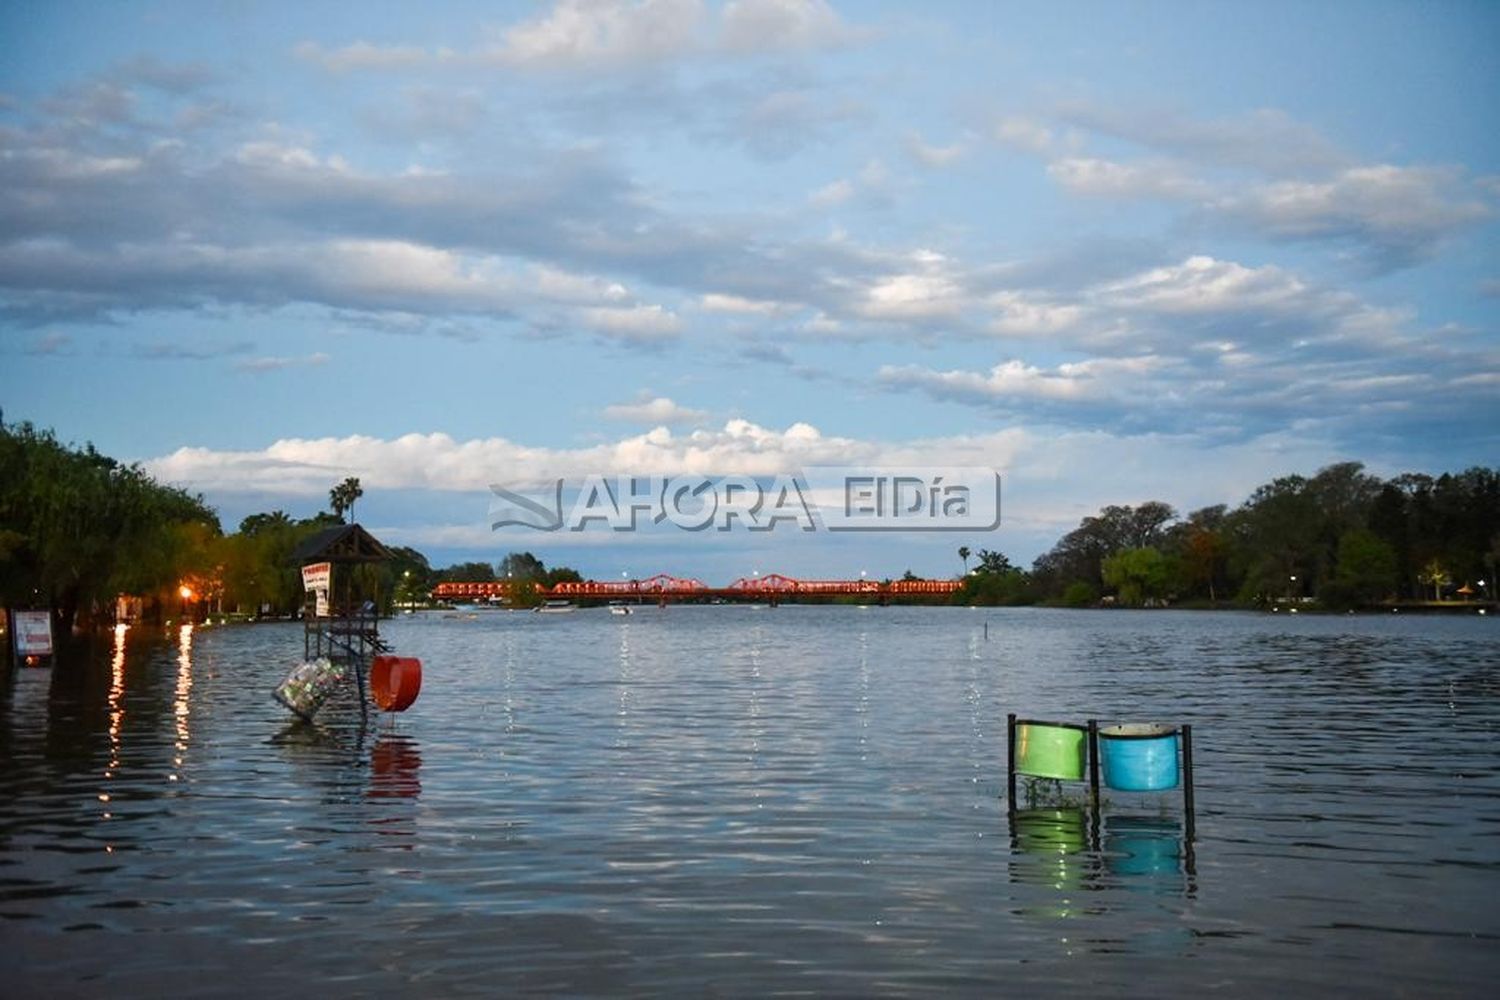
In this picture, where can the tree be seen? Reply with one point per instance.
(994, 562)
(1435, 575)
(1366, 570)
(341, 498)
(963, 553)
(78, 528)
(1139, 575)
(521, 566)
(468, 572)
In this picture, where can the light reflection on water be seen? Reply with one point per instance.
(747, 801)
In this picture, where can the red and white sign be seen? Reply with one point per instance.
(33, 633)
(316, 576)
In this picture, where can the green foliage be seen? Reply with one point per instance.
(1080, 595)
(521, 566)
(341, 498)
(1140, 576)
(77, 528)
(524, 593)
(995, 582)
(1293, 537)
(467, 572)
(1366, 571)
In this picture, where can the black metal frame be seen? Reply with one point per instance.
(1185, 766)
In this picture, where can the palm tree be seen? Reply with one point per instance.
(341, 498)
(963, 553)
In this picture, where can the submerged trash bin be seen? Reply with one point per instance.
(309, 685)
(395, 682)
(1049, 749)
(1050, 831)
(1139, 756)
(1143, 845)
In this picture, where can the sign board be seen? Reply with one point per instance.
(321, 608)
(316, 576)
(33, 632)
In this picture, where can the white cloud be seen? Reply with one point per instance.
(638, 323)
(926, 288)
(784, 25)
(657, 411)
(1401, 209)
(736, 305)
(934, 156)
(1202, 284)
(594, 32)
(616, 34)
(1026, 134)
(1052, 478)
(261, 365)
(1014, 381)
(1265, 140)
(1015, 314)
(1108, 179)
(302, 467)
(834, 193)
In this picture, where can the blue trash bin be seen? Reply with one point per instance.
(1139, 756)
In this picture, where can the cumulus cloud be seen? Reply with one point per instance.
(1027, 135)
(301, 466)
(607, 35)
(1202, 284)
(1261, 172)
(871, 186)
(1108, 179)
(640, 324)
(580, 32)
(935, 156)
(785, 25)
(1015, 381)
(654, 411)
(1402, 212)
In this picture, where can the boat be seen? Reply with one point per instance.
(556, 608)
(618, 608)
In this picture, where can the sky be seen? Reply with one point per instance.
(1116, 251)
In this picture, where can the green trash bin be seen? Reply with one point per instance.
(1050, 749)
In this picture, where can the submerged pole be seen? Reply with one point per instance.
(1187, 780)
(1094, 760)
(1010, 762)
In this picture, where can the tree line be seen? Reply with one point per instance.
(78, 529)
(1341, 537)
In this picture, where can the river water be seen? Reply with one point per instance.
(751, 801)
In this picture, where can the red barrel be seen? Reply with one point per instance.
(395, 682)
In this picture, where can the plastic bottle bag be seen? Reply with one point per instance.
(309, 685)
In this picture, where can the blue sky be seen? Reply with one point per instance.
(1117, 251)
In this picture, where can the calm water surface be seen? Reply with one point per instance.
(747, 801)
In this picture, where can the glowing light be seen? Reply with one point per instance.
(186, 592)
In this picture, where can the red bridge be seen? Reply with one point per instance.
(772, 587)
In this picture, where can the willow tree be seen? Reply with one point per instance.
(78, 528)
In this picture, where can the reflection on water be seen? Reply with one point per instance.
(750, 802)
(395, 768)
(182, 704)
(1149, 846)
(1054, 850)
